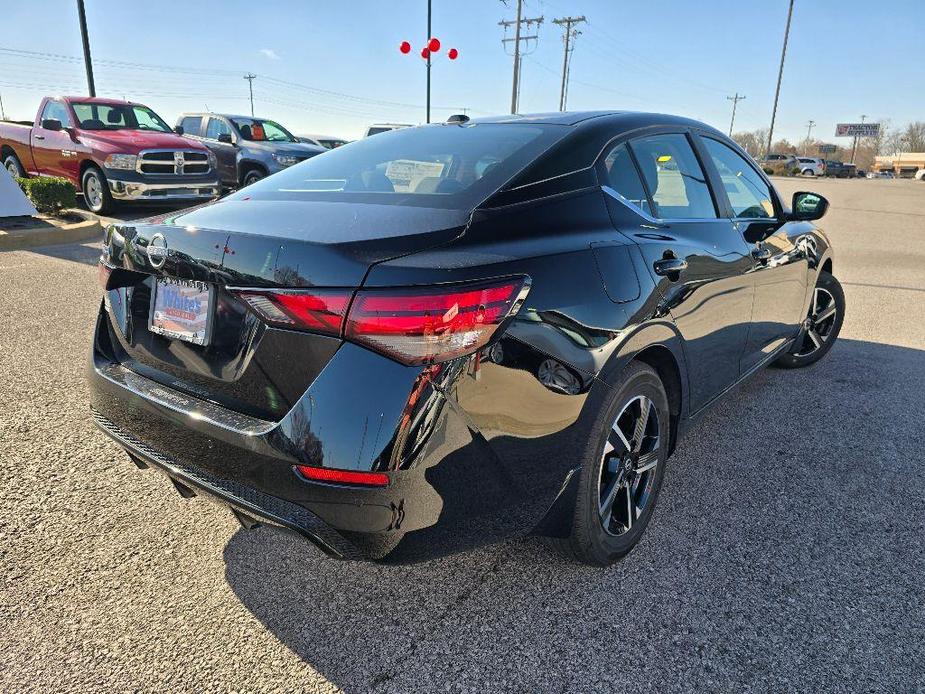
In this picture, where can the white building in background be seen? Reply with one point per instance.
(13, 202)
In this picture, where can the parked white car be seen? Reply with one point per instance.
(811, 166)
(920, 175)
(880, 174)
(326, 141)
(377, 128)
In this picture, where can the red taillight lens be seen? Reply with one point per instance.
(322, 311)
(103, 272)
(422, 326)
(326, 474)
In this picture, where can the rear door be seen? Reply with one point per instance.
(779, 262)
(700, 262)
(225, 152)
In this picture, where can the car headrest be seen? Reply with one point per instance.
(114, 116)
(92, 124)
(246, 132)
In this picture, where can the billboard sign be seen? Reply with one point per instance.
(857, 130)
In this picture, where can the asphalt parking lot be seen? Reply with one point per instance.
(787, 554)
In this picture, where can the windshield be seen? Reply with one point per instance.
(258, 130)
(118, 117)
(447, 166)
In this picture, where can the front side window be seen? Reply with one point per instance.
(621, 175)
(749, 196)
(55, 110)
(676, 182)
(262, 130)
(446, 166)
(216, 127)
(94, 116)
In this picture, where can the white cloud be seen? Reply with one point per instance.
(269, 53)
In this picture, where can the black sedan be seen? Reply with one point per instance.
(446, 335)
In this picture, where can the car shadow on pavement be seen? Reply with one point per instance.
(788, 538)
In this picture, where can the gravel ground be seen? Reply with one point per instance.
(788, 552)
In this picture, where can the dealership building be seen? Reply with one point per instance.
(903, 165)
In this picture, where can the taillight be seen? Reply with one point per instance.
(103, 272)
(319, 310)
(433, 324)
(412, 325)
(332, 476)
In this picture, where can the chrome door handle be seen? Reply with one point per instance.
(39, 137)
(669, 266)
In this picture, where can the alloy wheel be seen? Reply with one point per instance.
(93, 189)
(555, 376)
(819, 323)
(629, 465)
(12, 168)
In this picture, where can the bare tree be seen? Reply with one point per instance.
(914, 136)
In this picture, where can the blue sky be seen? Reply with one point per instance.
(334, 67)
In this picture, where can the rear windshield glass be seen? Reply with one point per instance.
(447, 166)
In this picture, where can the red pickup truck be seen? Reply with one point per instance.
(111, 150)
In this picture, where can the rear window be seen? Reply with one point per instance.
(447, 166)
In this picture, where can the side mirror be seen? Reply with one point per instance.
(178, 130)
(226, 138)
(51, 124)
(808, 207)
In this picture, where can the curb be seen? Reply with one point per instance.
(50, 235)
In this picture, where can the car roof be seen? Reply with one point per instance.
(623, 119)
(96, 100)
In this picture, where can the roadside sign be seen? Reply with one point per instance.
(857, 130)
(828, 149)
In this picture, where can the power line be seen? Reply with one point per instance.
(518, 37)
(568, 36)
(250, 77)
(735, 102)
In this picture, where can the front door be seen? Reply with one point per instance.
(225, 153)
(779, 259)
(54, 151)
(701, 264)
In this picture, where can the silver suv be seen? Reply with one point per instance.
(812, 166)
(246, 148)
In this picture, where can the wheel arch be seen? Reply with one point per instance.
(247, 165)
(84, 165)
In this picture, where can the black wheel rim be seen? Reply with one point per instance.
(819, 323)
(629, 465)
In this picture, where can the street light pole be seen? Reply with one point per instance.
(82, 16)
(809, 131)
(780, 76)
(854, 148)
(427, 42)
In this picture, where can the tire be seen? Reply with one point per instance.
(96, 191)
(252, 176)
(603, 467)
(808, 172)
(11, 164)
(821, 328)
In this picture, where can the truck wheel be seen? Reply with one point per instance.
(11, 164)
(252, 176)
(96, 191)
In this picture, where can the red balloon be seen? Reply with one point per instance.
(434, 45)
(425, 52)
(452, 54)
(405, 47)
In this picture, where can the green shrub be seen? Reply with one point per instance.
(768, 170)
(50, 195)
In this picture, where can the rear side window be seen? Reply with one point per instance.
(217, 127)
(673, 175)
(749, 196)
(621, 175)
(55, 110)
(192, 125)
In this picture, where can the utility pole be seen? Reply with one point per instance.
(429, 35)
(518, 37)
(2, 112)
(82, 15)
(780, 76)
(570, 34)
(854, 148)
(809, 131)
(250, 77)
(735, 102)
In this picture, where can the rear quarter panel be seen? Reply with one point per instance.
(18, 138)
